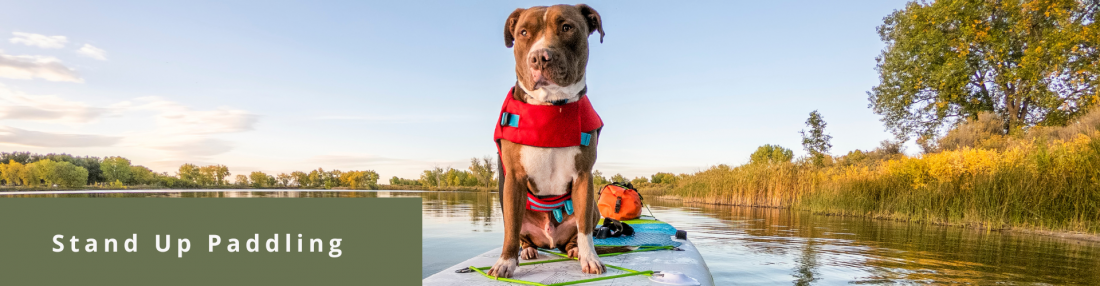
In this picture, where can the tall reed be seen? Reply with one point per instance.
(1031, 184)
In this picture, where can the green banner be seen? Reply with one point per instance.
(208, 241)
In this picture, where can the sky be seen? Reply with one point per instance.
(401, 86)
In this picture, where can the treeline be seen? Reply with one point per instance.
(480, 175)
(24, 169)
(315, 179)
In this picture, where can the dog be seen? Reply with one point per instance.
(550, 44)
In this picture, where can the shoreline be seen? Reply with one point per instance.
(1067, 235)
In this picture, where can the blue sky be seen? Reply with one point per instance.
(399, 87)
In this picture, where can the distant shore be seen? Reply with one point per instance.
(239, 187)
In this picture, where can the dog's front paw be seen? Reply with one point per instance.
(505, 268)
(529, 253)
(591, 264)
(572, 253)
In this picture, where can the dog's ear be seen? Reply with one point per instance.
(510, 25)
(592, 18)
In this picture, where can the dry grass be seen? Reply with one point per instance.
(1047, 179)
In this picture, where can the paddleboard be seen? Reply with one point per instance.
(677, 262)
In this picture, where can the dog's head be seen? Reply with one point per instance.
(551, 49)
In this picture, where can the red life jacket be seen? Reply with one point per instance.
(549, 126)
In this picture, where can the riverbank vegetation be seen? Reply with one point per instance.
(27, 171)
(1045, 178)
(1001, 97)
(481, 176)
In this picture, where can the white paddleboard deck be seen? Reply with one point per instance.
(688, 261)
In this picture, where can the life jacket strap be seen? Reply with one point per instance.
(556, 205)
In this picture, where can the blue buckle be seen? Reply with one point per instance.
(568, 206)
(514, 121)
(509, 119)
(557, 214)
(585, 139)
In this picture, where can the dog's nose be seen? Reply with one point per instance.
(540, 58)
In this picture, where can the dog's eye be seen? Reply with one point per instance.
(523, 32)
(566, 28)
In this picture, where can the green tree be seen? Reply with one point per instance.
(221, 175)
(431, 178)
(283, 180)
(140, 175)
(619, 178)
(301, 179)
(769, 154)
(206, 175)
(190, 172)
(68, 175)
(1028, 61)
(639, 181)
(258, 179)
(43, 171)
(483, 170)
(598, 180)
(116, 169)
(664, 178)
(242, 181)
(816, 142)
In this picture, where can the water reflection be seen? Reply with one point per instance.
(751, 246)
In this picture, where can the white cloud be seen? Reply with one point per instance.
(92, 52)
(18, 105)
(38, 40)
(185, 147)
(185, 134)
(180, 133)
(16, 136)
(30, 67)
(175, 118)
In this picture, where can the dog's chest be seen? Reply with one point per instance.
(550, 169)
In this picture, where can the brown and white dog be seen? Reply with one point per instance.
(551, 50)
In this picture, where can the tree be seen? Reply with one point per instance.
(359, 179)
(283, 180)
(483, 170)
(639, 180)
(26, 175)
(1028, 61)
(598, 180)
(189, 172)
(816, 142)
(116, 169)
(769, 154)
(301, 179)
(68, 175)
(431, 178)
(664, 178)
(13, 173)
(140, 175)
(619, 178)
(241, 181)
(221, 175)
(43, 170)
(258, 179)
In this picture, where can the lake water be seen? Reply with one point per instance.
(754, 246)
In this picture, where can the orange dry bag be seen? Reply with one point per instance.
(619, 201)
